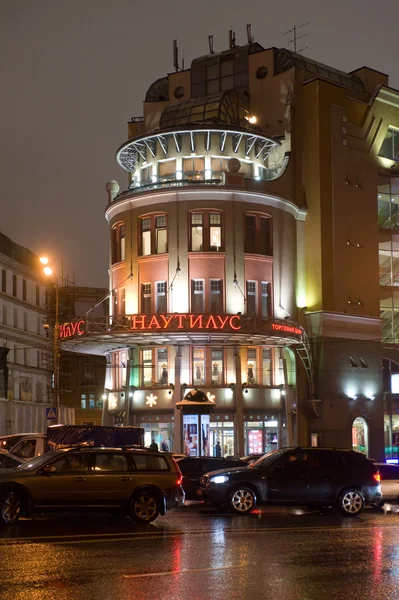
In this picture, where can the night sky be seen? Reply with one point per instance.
(73, 72)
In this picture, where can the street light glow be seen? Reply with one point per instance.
(48, 271)
(44, 260)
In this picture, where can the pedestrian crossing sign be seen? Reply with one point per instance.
(51, 413)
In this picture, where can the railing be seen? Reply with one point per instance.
(169, 183)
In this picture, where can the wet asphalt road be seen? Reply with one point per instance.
(197, 553)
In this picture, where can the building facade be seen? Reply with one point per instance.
(25, 376)
(253, 256)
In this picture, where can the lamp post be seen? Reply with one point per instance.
(48, 271)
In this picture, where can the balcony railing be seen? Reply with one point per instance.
(169, 183)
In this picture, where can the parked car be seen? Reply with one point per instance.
(251, 458)
(344, 479)
(139, 483)
(30, 445)
(389, 482)
(9, 441)
(8, 461)
(193, 468)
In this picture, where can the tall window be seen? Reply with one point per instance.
(24, 289)
(118, 243)
(251, 297)
(206, 231)
(216, 296)
(146, 298)
(4, 314)
(217, 366)
(161, 234)
(147, 367)
(38, 295)
(265, 299)
(251, 366)
(197, 295)
(92, 400)
(257, 236)
(39, 326)
(266, 366)
(25, 321)
(14, 285)
(197, 232)
(15, 318)
(160, 300)
(153, 235)
(215, 231)
(199, 366)
(119, 302)
(83, 401)
(4, 281)
(162, 366)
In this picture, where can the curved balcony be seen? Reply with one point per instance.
(200, 155)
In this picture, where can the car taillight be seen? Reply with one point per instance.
(179, 481)
(377, 477)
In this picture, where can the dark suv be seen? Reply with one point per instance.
(308, 476)
(139, 483)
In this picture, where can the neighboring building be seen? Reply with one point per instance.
(82, 375)
(22, 333)
(248, 252)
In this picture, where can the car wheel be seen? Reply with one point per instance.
(242, 500)
(11, 506)
(144, 507)
(351, 503)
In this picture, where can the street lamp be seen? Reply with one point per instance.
(48, 271)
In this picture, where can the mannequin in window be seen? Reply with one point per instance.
(251, 378)
(198, 375)
(215, 374)
(164, 376)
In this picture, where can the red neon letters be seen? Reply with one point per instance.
(286, 328)
(185, 321)
(70, 329)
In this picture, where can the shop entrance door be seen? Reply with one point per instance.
(224, 434)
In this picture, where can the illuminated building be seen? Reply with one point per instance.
(253, 183)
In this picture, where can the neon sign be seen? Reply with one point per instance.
(70, 329)
(286, 328)
(185, 321)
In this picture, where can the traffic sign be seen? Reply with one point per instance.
(51, 413)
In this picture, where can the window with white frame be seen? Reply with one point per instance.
(198, 366)
(83, 401)
(161, 234)
(118, 242)
(251, 298)
(215, 231)
(160, 299)
(197, 295)
(197, 232)
(216, 291)
(153, 235)
(146, 298)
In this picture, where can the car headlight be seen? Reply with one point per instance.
(219, 479)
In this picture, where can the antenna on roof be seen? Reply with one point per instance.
(249, 36)
(175, 56)
(210, 42)
(294, 39)
(232, 39)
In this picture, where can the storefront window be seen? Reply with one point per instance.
(261, 437)
(251, 366)
(147, 367)
(199, 366)
(161, 433)
(360, 435)
(162, 366)
(266, 366)
(221, 438)
(217, 366)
